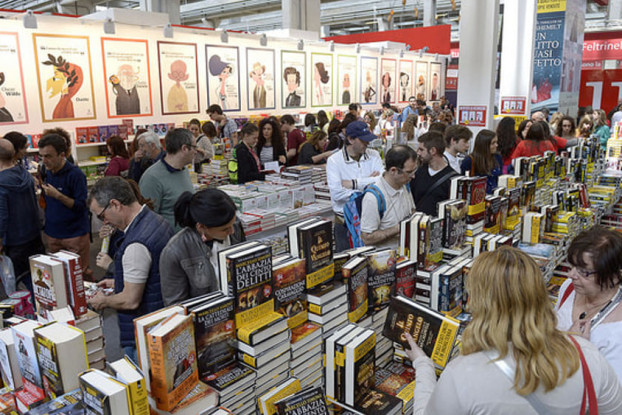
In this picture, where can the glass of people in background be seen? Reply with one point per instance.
(601, 129)
(523, 127)
(585, 127)
(507, 141)
(312, 151)
(270, 143)
(119, 158)
(205, 151)
(484, 160)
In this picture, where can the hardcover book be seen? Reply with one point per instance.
(379, 403)
(74, 281)
(325, 293)
(308, 401)
(315, 245)
(127, 372)
(380, 278)
(48, 282)
(230, 378)
(405, 273)
(475, 197)
(493, 212)
(289, 289)
(261, 329)
(454, 232)
(104, 395)
(355, 275)
(396, 379)
(25, 346)
(9, 366)
(360, 359)
(268, 400)
(434, 242)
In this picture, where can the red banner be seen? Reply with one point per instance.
(601, 89)
(600, 49)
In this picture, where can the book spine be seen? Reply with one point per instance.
(159, 389)
(75, 286)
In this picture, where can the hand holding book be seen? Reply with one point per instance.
(415, 351)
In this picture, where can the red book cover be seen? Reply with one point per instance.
(130, 125)
(302, 331)
(35, 140)
(82, 135)
(123, 131)
(93, 134)
(405, 278)
(475, 197)
(75, 282)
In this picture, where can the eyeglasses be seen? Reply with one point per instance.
(192, 146)
(101, 214)
(583, 272)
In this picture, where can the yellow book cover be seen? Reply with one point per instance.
(267, 406)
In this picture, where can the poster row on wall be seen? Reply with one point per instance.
(66, 86)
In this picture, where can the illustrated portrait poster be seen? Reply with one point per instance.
(260, 78)
(346, 79)
(436, 80)
(369, 80)
(405, 81)
(293, 79)
(321, 79)
(421, 80)
(13, 108)
(223, 76)
(128, 77)
(64, 77)
(387, 81)
(179, 77)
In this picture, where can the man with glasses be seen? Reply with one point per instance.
(136, 281)
(168, 178)
(432, 180)
(383, 230)
(66, 215)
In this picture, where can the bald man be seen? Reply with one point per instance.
(538, 116)
(20, 228)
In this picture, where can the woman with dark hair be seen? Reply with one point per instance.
(566, 128)
(322, 120)
(523, 127)
(189, 262)
(333, 134)
(336, 141)
(249, 165)
(270, 145)
(20, 144)
(312, 152)
(204, 148)
(506, 134)
(560, 143)
(536, 142)
(589, 300)
(514, 360)
(484, 160)
(119, 158)
(310, 123)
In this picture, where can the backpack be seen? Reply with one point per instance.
(352, 211)
(232, 166)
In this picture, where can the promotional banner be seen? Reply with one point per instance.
(387, 90)
(406, 80)
(321, 85)
(293, 89)
(260, 70)
(346, 79)
(369, 80)
(421, 80)
(601, 89)
(13, 108)
(223, 77)
(179, 74)
(435, 81)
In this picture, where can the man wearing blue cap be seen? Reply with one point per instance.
(349, 170)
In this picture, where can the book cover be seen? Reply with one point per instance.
(528, 195)
(93, 134)
(431, 330)
(127, 372)
(48, 282)
(316, 247)
(434, 242)
(396, 379)
(475, 198)
(455, 225)
(310, 401)
(25, 346)
(380, 278)
(102, 394)
(74, 281)
(324, 293)
(450, 291)
(405, 273)
(355, 275)
(262, 328)
(514, 201)
(82, 135)
(67, 404)
(123, 133)
(173, 361)
(360, 356)
(267, 402)
(102, 132)
(493, 211)
(289, 289)
(214, 331)
(301, 333)
(9, 366)
(379, 403)
(423, 241)
(229, 377)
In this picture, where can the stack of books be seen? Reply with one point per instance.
(328, 299)
(397, 379)
(267, 401)
(309, 400)
(235, 385)
(306, 348)
(300, 174)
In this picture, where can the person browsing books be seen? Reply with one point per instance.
(249, 165)
(484, 160)
(189, 263)
(589, 300)
(457, 139)
(513, 357)
(136, 281)
(383, 230)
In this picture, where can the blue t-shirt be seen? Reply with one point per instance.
(60, 221)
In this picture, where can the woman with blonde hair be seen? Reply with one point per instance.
(601, 129)
(585, 127)
(514, 360)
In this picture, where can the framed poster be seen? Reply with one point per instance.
(387, 87)
(294, 81)
(369, 80)
(223, 76)
(321, 86)
(179, 78)
(421, 80)
(128, 77)
(64, 77)
(406, 80)
(435, 81)
(260, 69)
(346, 79)
(13, 109)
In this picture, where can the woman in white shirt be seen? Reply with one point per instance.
(513, 323)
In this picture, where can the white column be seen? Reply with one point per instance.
(301, 15)
(171, 7)
(479, 26)
(517, 51)
(429, 12)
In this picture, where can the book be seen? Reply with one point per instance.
(315, 245)
(289, 287)
(308, 401)
(454, 231)
(360, 366)
(397, 379)
(304, 334)
(355, 275)
(269, 343)
(267, 401)
(48, 282)
(433, 243)
(339, 352)
(230, 378)
(61, 352)
(432, 331)
(265, 357)
(26, 351)
(200, 300)
(74, 281)
(334, 314)
(62, 315)
(127, 372)
(268, 325)
(326, 293)
(214, 331)
(475, 194)
(409, 240)
(379, 403)
(380, 278)
(199, 400)
(331, 365)
(104, 395)
(172, 354)
(69, 403)
(493, 211)
(9, 366)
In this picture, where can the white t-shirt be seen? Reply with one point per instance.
(136, 260)
(454, 161)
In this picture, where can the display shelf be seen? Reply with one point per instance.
(91, 163)
(84, 145)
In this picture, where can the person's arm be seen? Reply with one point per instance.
(173, 279)
(247, 167)
(292, 146)
(319, 158)
(608, 388)
(150, 188)
(114, 168)
(206, 146)
(334, 180)
(376, 169)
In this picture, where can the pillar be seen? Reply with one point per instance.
(301, 15)
(429, 12)
(170, 7)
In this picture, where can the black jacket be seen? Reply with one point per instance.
(247, 166)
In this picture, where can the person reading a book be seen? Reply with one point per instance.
(589, 300)
(514, 360)
(136, 281)
(189, 262)
(484, 160)
(382, 230)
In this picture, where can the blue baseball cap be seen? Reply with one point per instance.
(360, 130)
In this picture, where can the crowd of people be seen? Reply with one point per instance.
(165, 236)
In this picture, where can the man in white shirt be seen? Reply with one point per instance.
(349, 170)
(383, 231)
(457, 139)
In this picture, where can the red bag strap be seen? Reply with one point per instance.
(566, 294)
(588, 384)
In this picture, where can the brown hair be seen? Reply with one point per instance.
(605, 248)
(481, 157)
(117, 147)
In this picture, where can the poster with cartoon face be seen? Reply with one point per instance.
(64, 77)
(128, 77)
(223, 77)
(293, 78)
(13, 108)
(321, 79)
(435, 81)
(179, 88)
(260, 71)
(387, 83)
(421, 80)
(346, 82)
(369, 80)
(404, 88)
